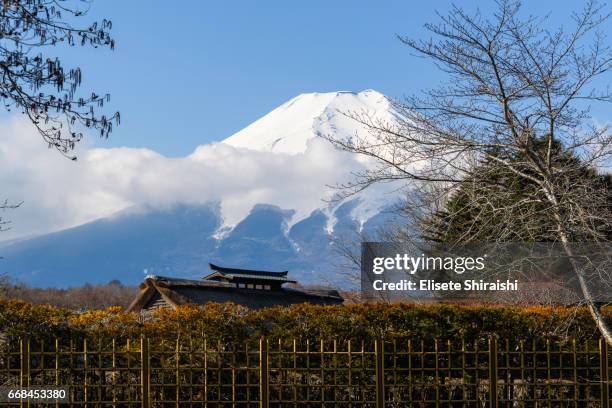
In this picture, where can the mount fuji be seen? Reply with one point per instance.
(275, 228)
(289, 128)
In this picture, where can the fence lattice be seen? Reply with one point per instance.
(195, 372)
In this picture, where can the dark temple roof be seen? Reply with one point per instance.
(253, 272)
(249, 274)
(172, 292)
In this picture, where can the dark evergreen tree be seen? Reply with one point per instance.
(490, 206)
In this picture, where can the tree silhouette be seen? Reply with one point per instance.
(488, 206)
(38, 85)
(513, 86)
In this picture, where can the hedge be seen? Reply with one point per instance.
(229, 322)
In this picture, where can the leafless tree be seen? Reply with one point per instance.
(518, 97)
(5, 225)
(86, 297)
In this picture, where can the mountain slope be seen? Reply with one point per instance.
(180, 242)
(180, 239)
(122, 247)
(288, 128)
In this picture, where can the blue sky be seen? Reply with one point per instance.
(188, 75)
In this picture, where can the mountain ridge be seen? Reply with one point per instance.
(269, 133)
(180, 239)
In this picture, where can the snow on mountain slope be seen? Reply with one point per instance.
(258, 199)
(288, 128)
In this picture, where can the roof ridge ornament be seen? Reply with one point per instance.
(254, 272)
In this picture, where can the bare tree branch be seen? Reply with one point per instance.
(518, 98)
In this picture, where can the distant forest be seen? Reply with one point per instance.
(86, 297)
(95, 297)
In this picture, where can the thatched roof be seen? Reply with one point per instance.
(162, 291)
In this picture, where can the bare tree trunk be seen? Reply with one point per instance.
(512, 121)
(600, 320)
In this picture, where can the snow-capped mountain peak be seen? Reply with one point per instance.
(289, 128)
(257, 200)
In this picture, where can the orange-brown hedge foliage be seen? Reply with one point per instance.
(229, 322)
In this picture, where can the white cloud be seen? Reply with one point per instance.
(58, 193)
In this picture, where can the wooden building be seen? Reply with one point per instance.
(251, 288)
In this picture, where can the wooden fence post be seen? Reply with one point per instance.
(24, 379)
(604, 374)
(145, 373)
(492, 372)
(264, 385)
(379, 351)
